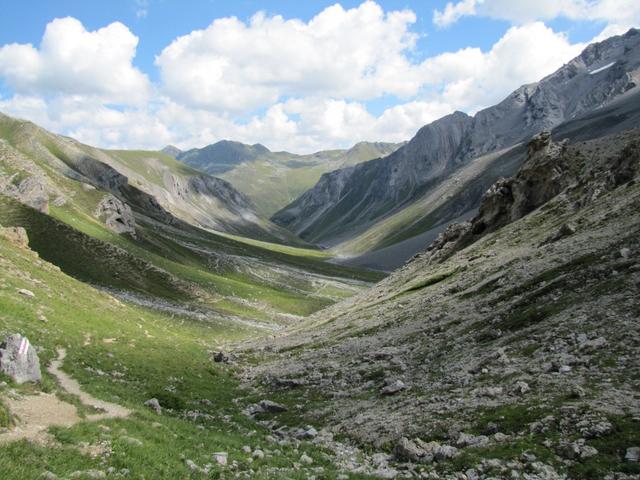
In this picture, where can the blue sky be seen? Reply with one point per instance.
(176, 77)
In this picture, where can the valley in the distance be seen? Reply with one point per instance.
(463, 305)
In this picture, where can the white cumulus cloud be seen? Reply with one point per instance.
(74, 61)
(286, 83)
(358, 53)
(619, 15)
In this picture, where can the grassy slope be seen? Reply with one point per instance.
(184, 253)
(143, 339)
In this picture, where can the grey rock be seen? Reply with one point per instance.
(19, 360)
(625, 252)
(490, 392)
(632, 454)
(220, 357)
(467, 440)
(392, 387)
(154, 405)
(407, 450)
(132, 441)
(26, 293)
(445, 452)
(221, 458)
(117, 215)
(258, 454)
(577, 450)
(269, 406)
(521, 387)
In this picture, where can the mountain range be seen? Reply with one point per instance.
(272, 180)
(380, 203)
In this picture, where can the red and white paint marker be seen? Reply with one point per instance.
(24, 347)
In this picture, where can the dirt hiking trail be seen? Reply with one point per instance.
(36, 413)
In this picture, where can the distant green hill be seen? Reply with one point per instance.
(272, 180)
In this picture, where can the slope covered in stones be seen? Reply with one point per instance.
(509, 345)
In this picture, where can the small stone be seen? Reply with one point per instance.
(258, 454)
(26, 293)
(154, 405)
(466, 440)
(220, 457)
(132, 441)
(577, 391)
(472, 474)
(407, 450)
(625, 252)
(271, 407)
(564, 369)
(246, 449)
(16, 235)
(445, 452)
(392, 387)
(90, 474)
(633, 454)
(306, 459)
(521, 387)
(220, 357)
(309, 432)
(490, 392)
(48, 476)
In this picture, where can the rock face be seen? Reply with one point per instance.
(346, 202)
(117, 215)
(19, 360)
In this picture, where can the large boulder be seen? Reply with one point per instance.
(19, 360)
(117, 215)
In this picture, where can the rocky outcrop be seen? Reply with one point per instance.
(549, 169)
(116, 215)
(32, 191)
(19, 360)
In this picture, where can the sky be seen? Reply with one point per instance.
(291, 75)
